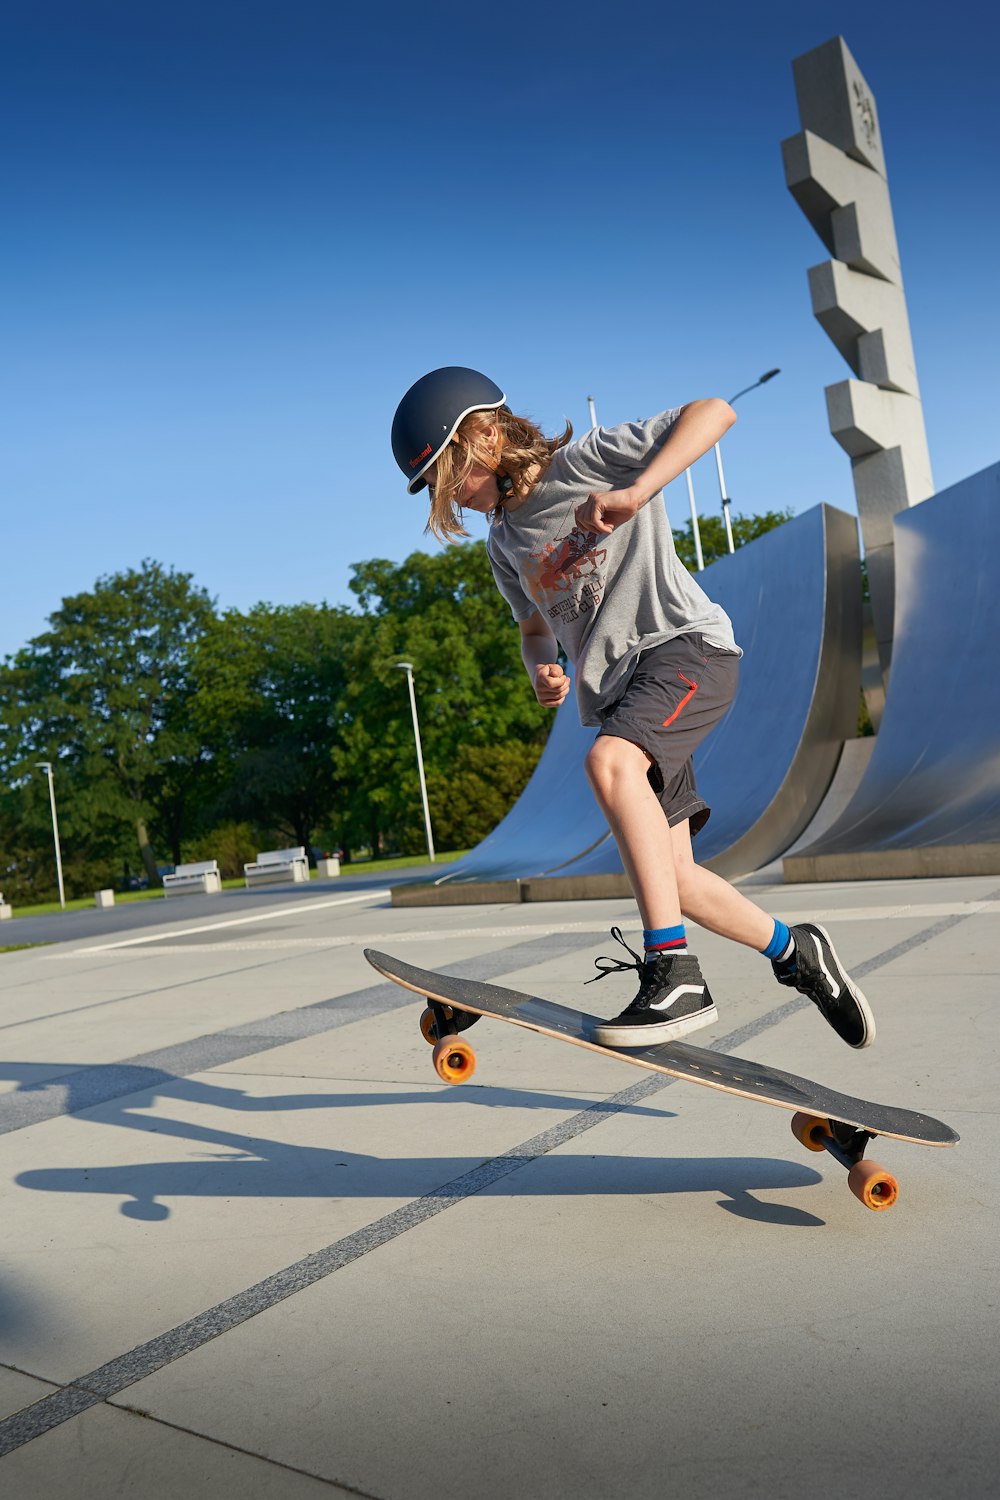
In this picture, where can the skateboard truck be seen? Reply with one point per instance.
(876, 1187)
(454, 1060)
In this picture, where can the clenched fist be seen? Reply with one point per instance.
(551, 684)
(601, 513)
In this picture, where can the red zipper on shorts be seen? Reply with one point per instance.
(693, 686)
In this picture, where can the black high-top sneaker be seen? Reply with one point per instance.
(815, 970)
(673, 999)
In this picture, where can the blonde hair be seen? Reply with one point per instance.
(520, 446)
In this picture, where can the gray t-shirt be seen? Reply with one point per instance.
(605, 598)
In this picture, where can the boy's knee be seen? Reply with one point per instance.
(611, 760)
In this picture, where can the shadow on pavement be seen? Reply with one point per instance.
(236, 1165)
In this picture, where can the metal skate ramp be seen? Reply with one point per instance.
(554, 820)
(794, 597)
(929, 803)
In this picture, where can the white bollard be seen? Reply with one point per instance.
(6, 910)
(326, 869)
(103, 899)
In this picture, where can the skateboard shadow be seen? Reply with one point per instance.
(268, 1169)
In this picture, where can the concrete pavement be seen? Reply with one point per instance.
(251, 1246)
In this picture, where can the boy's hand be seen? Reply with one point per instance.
(551, 684)
(602, 513)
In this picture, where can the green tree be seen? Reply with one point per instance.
(442, 613)
(712, 530)
(105, 695)
(269, 708)
(472, 796)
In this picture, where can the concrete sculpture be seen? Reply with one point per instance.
(835, 169)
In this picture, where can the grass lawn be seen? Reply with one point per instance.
(356, 867)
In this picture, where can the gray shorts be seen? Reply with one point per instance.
(676, 694)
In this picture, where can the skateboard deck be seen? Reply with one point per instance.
(823, 1120)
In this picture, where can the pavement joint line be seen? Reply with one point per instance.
(261, 916)
(145, 1359)
(275, 1463)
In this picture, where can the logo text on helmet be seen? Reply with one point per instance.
(419, 457)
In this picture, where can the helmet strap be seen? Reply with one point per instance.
(504, 482)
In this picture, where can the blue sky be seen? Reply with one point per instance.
(235, 233)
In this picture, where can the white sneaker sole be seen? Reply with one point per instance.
(655, 1032)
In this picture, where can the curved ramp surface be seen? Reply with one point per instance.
(794, 598)
(554, 820)
(929, 803)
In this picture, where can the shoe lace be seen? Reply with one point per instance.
(610, 965)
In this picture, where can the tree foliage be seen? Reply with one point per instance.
(267, 708)
(714, 542)
(175, 731)
(104, 694)
(442, 614)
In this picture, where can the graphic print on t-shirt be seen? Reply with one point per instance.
(565, 578)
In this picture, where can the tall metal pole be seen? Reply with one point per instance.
(725, 499)
(407, 667)
(724, 494)
(695, 529)
(593, 411)
(46, 766)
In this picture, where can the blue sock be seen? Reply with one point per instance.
(781, 945)
(658, 940)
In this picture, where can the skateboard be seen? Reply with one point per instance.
(823, 1119)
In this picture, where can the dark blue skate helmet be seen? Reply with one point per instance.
(429, 415)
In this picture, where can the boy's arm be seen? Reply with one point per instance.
(699, 425)
(539, 652)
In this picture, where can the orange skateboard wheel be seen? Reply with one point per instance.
(428, 1026)
(454, 1060)
(809, 1131)
(872, 1184)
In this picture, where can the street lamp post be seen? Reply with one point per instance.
(407, 667)
(769, 375)
(46, 766)
(593, 412)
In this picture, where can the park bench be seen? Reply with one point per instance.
(188, 880)
(277, 865)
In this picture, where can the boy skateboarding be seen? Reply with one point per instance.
(588, 565)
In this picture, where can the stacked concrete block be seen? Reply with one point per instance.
(835, 170)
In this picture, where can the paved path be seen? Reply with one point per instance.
(160, 911)
(252, 1247)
